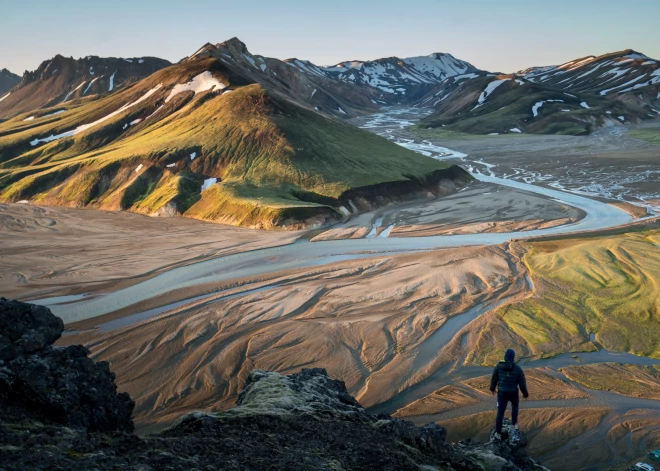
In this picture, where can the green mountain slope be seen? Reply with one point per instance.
(203, 140)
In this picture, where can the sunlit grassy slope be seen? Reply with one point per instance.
(604, 285)
(275, 162)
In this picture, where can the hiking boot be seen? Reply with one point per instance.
(497, 437)
(515, 427)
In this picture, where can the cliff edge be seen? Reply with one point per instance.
(59, 410)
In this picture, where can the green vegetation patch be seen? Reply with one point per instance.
(649, 135)
(605, 285)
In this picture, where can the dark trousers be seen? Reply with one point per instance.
(503, 399)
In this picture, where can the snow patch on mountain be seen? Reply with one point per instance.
(629, 82)
(200, 83)
(208, 183)
(465, 76)
(490, 88)
(535, 108)
(250, 59)
(112, 81)
(391, 75)
(90, 84)
(84, 127)
(54, 113)
(72, 91)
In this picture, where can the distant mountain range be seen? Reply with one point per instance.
(572, 98)
(400, 79)
(230, 136)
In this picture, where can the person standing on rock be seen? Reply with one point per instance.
(507, 377)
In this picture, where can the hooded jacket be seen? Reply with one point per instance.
(508, 376)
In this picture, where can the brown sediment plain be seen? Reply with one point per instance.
(48, 251)
(446, 398)
(375, 323)
(481, 207)
(570, 439)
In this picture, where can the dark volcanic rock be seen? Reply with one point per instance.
(53, 384)
(304, 421)
(26, 328)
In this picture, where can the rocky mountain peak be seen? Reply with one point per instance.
(8, 81)
(234, 44)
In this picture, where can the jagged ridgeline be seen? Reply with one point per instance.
(64, 80)
(205, 139)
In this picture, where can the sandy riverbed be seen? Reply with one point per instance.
(481, 207)
(51, 251)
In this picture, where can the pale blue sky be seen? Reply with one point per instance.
(497, 35)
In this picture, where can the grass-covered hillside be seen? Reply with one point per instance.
(488, 104)
(203, 140)
(601, 285)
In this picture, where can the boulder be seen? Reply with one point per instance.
(58, 385)
(26, 328)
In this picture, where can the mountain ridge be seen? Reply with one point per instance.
(576, 97)
(8, 80)
(219, 138)
(63, 79)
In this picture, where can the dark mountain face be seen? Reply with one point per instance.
(572, 98)
(7, 82)
(607, 75)
(63, 79)
(348, 88)
(298, 80)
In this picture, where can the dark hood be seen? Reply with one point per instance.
(510, 355)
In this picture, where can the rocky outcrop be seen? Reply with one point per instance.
(54, 385)
(62, 413)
